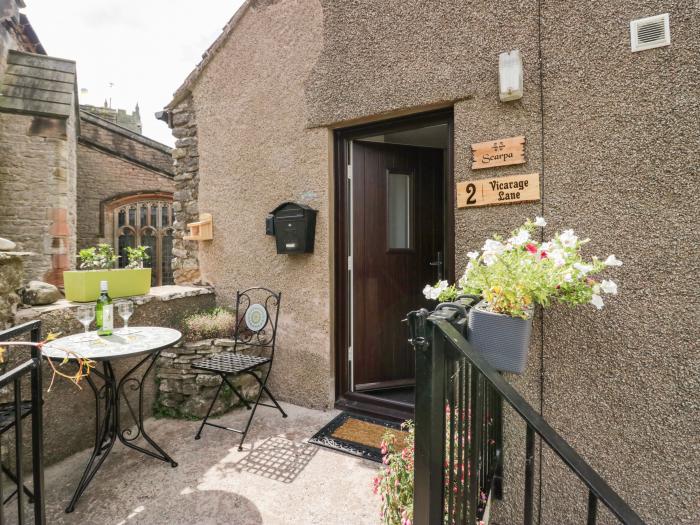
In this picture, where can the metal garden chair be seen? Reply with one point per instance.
(256, 330)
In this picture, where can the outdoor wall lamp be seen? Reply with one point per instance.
(510, 76)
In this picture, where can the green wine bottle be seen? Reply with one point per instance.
(104, 312)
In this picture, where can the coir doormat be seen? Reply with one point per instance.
(357, 435)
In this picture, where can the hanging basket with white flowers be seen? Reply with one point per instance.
(516, 274)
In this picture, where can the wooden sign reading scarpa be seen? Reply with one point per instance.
(501, 152)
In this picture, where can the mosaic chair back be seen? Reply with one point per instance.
(257, 313)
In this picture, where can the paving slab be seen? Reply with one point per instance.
(277, 479)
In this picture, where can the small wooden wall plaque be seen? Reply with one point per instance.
(501, 152)
(498, 190)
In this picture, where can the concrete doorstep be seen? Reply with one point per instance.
(277, 479)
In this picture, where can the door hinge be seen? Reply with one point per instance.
(350, 354)
(349, 263)
(350, 171)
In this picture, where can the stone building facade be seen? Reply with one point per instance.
(64, 171)
(604, 129)
(119, 169)
(38, 142)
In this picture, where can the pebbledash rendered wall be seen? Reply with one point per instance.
(255, 152)
(615, 136)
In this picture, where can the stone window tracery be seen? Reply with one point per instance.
(147, 221)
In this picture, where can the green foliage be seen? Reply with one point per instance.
(100, 257)
(136, 256)
(515, 274)
(162, 412)
(211, 324)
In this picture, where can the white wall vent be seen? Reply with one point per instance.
(651, 32)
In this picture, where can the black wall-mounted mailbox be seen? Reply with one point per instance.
(294, 227)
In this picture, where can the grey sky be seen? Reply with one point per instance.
(145, 48)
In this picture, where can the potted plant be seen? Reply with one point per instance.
(97, 264)
(515, 275)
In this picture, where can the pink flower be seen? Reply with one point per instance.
(531, 248)
(383, 447)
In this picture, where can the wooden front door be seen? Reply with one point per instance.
(397, 231)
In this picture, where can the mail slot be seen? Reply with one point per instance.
(294, 227)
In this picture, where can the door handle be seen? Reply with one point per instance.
(439, 264)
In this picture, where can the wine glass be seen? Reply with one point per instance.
(86, 314)
(125, 309)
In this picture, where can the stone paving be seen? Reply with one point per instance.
(277, 479)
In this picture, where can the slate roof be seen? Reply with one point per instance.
(38, 85)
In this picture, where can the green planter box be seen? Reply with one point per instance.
(84, 286)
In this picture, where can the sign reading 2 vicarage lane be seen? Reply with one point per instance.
(498, 190)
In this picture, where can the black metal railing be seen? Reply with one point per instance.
(458, 441)
(14, 412)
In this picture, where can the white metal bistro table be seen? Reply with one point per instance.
(146, 342)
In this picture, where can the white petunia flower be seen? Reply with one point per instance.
(612, 261)
(463, 280)
(568, 239)
(436, 290)
(521, 238)
(490, 259)
(583, 268)
(568, 277)
(545, 246)
(557, 257)
(608, 287)
(539, 221)
(428, 291)
(597, 301)
(493, 246)
(473, 255)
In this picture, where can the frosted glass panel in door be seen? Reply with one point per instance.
(399, 211)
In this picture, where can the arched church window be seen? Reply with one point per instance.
(144, 221)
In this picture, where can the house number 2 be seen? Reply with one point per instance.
(471, 192)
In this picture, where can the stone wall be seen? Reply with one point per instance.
(69, 412)
(38, 191)
(126, 144)
(112, 164)
(184, 391)
(186, 206)
(11, 273)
